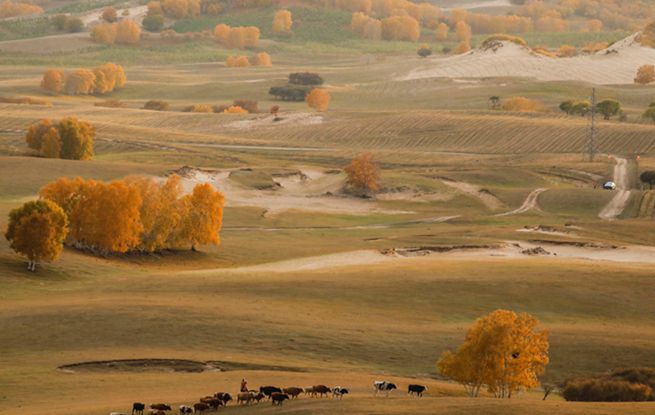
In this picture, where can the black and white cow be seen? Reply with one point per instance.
(416, 389)
(338, 392)
(384, 386)
(137, 408)
(185, 410)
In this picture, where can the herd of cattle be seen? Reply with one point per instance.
(275, 395)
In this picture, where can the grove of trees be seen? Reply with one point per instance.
(37, 230)
(125, 32)
(259, 59)
(11, 9)
(101, 80)
(502, 351)
(69, 138)
(363, 175)
(300, 85)
(237, 37)
(137, 214)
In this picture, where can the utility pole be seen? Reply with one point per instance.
(592, 132)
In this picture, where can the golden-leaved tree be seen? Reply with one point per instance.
(282, 22)
(202, 216)
(80, 82)
(318, 99)
(128, 32)
(502, 351)
(53, 80)
(363, 175)
(37, 230)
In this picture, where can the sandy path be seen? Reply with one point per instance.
(479, 5)
(136, 13)
(529, 204)
(489, 200)
(617, 205)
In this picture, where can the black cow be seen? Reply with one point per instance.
(416, 389)
(269, 390)
(278, 398)
(137, 408)
(223, 396)
(200, 407)
(160, 407)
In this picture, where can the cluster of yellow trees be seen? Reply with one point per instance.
(391, 28)
(69, 138)
(101, 80)
(282, 22)
(180, 9)
(11, 9)
(237, 37)
(125, 32)
(134, 214)
(137, 213)
(503, 351)
(260, 59)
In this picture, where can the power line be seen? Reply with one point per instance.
(592, 132)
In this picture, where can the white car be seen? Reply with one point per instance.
(609, 186)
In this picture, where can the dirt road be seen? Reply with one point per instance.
(529, 204)
(618, 204)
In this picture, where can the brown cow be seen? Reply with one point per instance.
(321, 390)
(245, 398)
(200, 407)
(160, 406)
(293, 391)
(278, 398)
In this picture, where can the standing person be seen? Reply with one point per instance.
(244, 385)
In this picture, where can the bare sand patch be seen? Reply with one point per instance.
(296, 192)
(616, 65)
(487, 198)
(268, 120)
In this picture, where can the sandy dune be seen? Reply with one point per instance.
(616, 65)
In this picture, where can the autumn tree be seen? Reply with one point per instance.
(237, 61)
(645, 74)
(37, 230)
(202, 217)
(53, 80)
(51, 145)
(104, 33)
(442, 32)
(128, 32)
(363, 175)
(261, 59)
(608, 108)
(282, 22)
(503, 351)
(109, 15)
(108, 78)
(463, 34)
(80, 82)
(35, 133)
(76, 139)
(401, 28)
(522, 104)
(318, 99)
(567, 51)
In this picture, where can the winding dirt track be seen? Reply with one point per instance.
(529, 204)
(618, 204)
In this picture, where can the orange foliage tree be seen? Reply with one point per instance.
(36, 132)
(503, 351)
(366, 26)
(318, 99)
(37, 230)
(401, 28)
(261, 59)
(282, 22)
(109, 15)
(645, 74)
(363, 175)
(203, 216)
(11, 9)
(51, 145)
(80, 82)
(128, 32)
(179, 9)
(442, 31)
(237, 37)
(237, 61)
(53, 80)
(567, 51)
(522, 104)
(104, 33)
(234, 109)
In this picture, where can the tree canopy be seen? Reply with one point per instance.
(363, 175)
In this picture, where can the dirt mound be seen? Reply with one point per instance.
(429, 250)
(577, 244)
(537, 251)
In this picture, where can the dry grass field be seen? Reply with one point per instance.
(310, 284)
